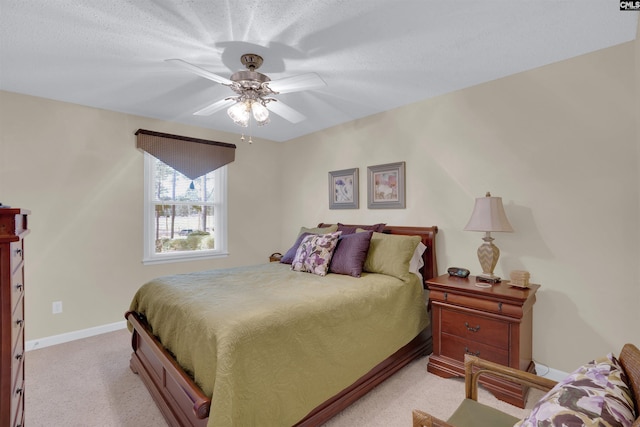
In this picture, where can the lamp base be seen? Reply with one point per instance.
(488, 278)
(488, 255)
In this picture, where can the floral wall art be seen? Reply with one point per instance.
(386, 189)
(343, 189)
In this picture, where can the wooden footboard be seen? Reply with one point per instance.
(183, 404)
(179, 398)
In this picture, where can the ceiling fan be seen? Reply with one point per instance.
(254, 92)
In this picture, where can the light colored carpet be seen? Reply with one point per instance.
(88, 383)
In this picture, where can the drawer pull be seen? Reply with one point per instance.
(477, 353)
(445, 296)
(471, 328)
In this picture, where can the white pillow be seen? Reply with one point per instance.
(417, 262)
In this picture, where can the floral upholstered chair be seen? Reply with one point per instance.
(604, 392)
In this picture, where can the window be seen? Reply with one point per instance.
(184, 219)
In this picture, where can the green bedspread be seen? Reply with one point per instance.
(269, 344)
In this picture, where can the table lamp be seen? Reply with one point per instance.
(488, 215)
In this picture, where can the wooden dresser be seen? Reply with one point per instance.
(13, 228)
(493, 323)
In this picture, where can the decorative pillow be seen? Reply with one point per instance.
(594, 394)
(390, 254)
(315, 252)
(319, 230)
(288, 257)
(350, 253)
(350, 229)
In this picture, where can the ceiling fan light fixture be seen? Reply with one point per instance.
(254, 91)
(260, 113)
(239, 113)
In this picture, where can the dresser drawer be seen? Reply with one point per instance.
(17, 324)
(17, 397)
(19, 420)
(476, 328)
(17, 356)
(16, 253)
(456, 347)
(17, 287)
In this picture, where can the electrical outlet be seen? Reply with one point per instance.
(56, 307)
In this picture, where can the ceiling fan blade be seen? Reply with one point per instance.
(286, 112)
(200, 71)
(297, 83)
(216, 106)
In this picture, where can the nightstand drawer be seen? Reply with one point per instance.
(473, 302)
(456, 347)
(476, 328)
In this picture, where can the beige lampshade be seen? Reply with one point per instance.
(488, 215)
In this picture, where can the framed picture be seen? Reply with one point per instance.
(343, 189)
(386, 186)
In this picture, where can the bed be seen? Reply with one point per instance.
(262, 381)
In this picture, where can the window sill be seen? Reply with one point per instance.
(182, 257)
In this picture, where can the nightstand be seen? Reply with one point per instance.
(493, 323)
(275, 257)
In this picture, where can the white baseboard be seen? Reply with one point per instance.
(72, 336)
(547, 372)
(555, 374)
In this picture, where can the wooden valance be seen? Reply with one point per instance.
(192, 157)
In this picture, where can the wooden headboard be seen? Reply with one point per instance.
(428, 236)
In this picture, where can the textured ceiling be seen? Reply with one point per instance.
(374, 55)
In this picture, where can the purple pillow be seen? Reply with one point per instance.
(288, 257)
(350, 253)
(350, 229)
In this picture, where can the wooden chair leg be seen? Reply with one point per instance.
(421, 419)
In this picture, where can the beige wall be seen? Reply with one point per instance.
(79, 172)
(558, 144)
